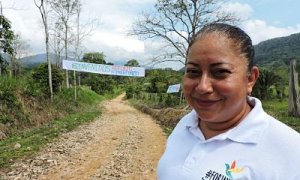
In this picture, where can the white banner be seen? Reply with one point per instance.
(104, 69)
(173, 88)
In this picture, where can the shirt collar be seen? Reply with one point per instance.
(253, 126)
(248, 130)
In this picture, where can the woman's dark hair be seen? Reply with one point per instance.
(241, 39)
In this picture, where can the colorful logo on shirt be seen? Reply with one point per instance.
(233, 169)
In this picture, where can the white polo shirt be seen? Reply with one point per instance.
(259, 148)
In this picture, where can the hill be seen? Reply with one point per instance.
(34, 60)
(278, 51)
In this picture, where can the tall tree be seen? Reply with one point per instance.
(176, 23)
(6, 39)
(94, 57)
(132, 62)
(56, 42)
(20, 49)
(77, 44)
(42, 6)
(64, 10)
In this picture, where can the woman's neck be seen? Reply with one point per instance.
(211, 129)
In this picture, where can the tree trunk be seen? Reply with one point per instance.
(66, 53)
(294, 105)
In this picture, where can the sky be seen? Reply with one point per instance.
(261, 19)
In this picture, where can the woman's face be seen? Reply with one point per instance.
(216, 82)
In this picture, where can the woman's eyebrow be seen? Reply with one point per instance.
(192, 63)
(219, 64)
(213, 64)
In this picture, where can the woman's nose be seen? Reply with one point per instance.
(204, 85)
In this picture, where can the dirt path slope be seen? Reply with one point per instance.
(122, 144)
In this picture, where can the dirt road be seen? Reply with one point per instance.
(121, 144)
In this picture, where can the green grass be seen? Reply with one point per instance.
(279, 110)
(33, 140)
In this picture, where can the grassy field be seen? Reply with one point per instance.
(279, 110)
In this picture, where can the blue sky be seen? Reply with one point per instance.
(276, 12)
(262, 20)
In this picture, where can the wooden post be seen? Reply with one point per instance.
(181, 97)
(294, 105)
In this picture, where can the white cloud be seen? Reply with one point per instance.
(113, 39)
(259, 30)
(243, 11)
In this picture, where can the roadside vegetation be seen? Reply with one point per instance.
(29, 119)
(29, 122)
(150, 97)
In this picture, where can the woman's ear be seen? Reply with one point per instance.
(252, 77)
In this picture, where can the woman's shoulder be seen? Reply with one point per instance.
(190, 119)
(282, 131)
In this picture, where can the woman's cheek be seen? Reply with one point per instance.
(188, 85)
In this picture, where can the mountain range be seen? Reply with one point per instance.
(276, 52)
(34, 60)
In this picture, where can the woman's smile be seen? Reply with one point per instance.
(206, 103)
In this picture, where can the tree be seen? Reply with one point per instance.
(56, 42)
(132, 62)
(6, 40)
(88, 78)
(64, 10)
(20, 48)
(42, 6)
(176, 22)
(39, 76)
(94, 57)
(264, 82)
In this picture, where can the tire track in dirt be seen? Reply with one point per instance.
(121, 144)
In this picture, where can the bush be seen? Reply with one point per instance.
(41, 78)
(10, 107)
(101, 84)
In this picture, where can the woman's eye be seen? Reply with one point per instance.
(221, 73)
(192, 72)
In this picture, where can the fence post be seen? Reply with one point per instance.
(294, 105)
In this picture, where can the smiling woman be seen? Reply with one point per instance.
(227, 135)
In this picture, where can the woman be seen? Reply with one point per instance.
(227, 135)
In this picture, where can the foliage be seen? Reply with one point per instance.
(266, 80)
(6, 38)
(133, 89)
(6, 35)
(85, 109)
(101, 84)
(40, 77)
(160, 79)
(132, 62)
(278, 51)
(153, 88)
(94, 57)
(176, 23)
(11, 109)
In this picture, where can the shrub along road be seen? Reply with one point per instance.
(121, 144)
